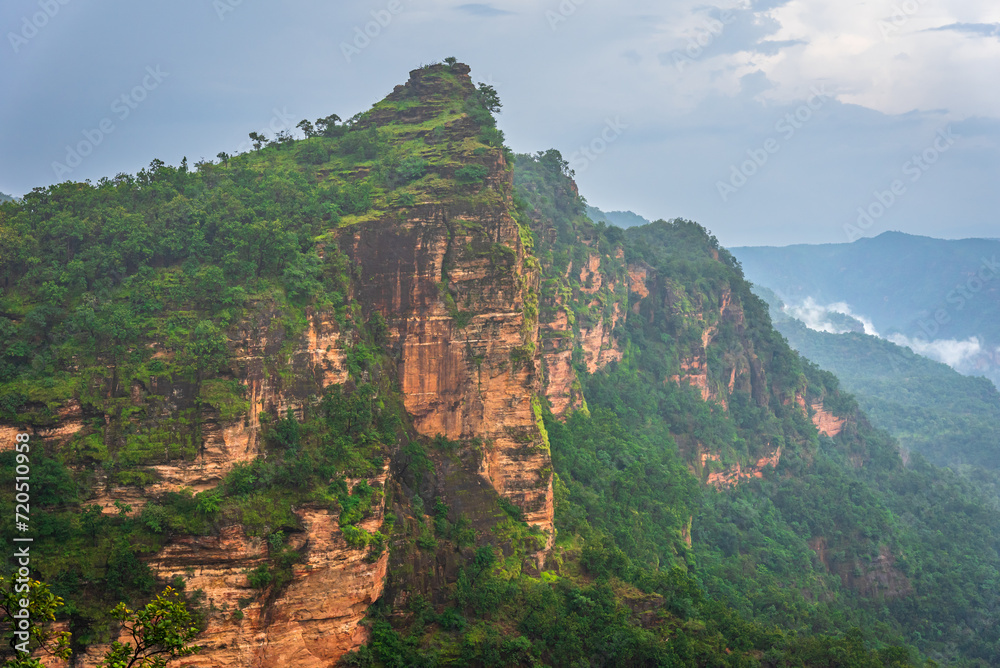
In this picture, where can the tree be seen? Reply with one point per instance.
(223, 158)
(258, 140)
(327, 126)
(41, 611)
(489, 97)
(160, 631)
(450, 61)
(307, 128)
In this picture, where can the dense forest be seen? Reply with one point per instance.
(928, 406)
(150, 285)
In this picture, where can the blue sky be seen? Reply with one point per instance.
(769, 122)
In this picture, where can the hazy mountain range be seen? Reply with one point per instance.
(621, 219)
(940, 298)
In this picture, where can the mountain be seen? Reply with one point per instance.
(5, 198)
(386, 396)
(939, 297)
(928, 406)
(617, 218)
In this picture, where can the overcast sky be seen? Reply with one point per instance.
(768, 122)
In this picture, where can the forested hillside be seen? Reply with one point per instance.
(617, 218)
(930, 408)
(937, 294)
(384, 395)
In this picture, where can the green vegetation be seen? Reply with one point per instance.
(30, 600)
(927, 289)
(622, 219)
(804, 548)
(947, 417)
(130, 306)
(161, 630)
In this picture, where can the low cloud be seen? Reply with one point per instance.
(956, 354)
(829, 318)
(839, 318)
(968, 356)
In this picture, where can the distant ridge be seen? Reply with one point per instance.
(944, 292)
(931, 408)
(616, 218)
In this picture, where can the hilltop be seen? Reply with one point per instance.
(385, 395)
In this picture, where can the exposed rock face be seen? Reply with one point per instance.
(562, 388)
(452, 281)
(877, 577)
(475, 380)
(456, 286)
(826, 423)
(637, 280)
(314, 620)
(311, 623)
(590, 275)
(694, 367)
(595, 340)
(732, 476)
(70, 421)
(599, 346)
(317, 361)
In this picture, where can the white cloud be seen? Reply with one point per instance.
(817, 317)
(959, 355)
(886, 56)
(952, 352)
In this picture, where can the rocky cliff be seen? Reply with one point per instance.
(434, 292)
(451, 274)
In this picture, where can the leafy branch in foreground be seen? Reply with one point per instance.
(40, 611)
(159, 631)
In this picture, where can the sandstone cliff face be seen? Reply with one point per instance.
(593, 287)
(562, 388)
(314, 620)
(878, 576)
(454, 282)
(826, 423)
(732, 476)
(310, 623)
(316, 361)
(458, 289)
(599, 346)
(462, 379)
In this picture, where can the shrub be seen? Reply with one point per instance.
(259, 577)
(471, 174)
(410, 169)
(355, 536)
(313, 153)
